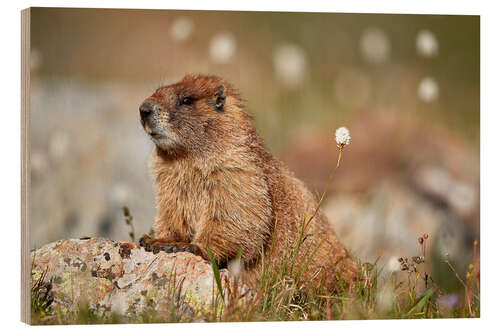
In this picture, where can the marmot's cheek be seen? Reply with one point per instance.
(167, 139)
(163, 143)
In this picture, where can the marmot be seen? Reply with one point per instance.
(218, 187)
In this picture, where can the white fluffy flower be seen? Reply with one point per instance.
(342, 136)
(427, 43)
(393, 264)
(428, 89)
(223, 47)
(181, 29)
(375, 45)
(290, 64)
(235, 267)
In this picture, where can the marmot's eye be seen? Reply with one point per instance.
(186, 101)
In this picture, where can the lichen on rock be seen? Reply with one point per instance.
(120, 278)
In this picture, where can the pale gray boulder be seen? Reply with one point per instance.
(121, 278)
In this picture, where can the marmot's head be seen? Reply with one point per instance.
(196, 115)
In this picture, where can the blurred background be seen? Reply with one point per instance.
(407, 86)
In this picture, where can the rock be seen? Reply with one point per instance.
(386, 222)
(441, 186)
(120, 278)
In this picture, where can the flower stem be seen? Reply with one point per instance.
(330, 178)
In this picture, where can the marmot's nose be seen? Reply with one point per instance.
(146, 108)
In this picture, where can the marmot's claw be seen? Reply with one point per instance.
(169, 248)
(191, 248)
(156, 245)
(156, 249)
(172, 248)
(143, 241)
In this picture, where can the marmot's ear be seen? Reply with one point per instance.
(220, 99)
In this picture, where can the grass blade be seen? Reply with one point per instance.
(218, 280)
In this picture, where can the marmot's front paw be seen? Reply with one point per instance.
(145, 241)
(156, 245)
(180, 247)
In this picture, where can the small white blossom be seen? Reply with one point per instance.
(290, 64)
(428, 90)
(427, 43)
(342, 136)
(393, 264)
(235, 267)
(222, 47)
(181, 29)
(375, 45)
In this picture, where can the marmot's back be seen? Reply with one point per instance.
(294, 205)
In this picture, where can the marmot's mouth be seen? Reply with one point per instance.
(148, 130)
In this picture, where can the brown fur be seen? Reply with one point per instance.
(218, 188)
